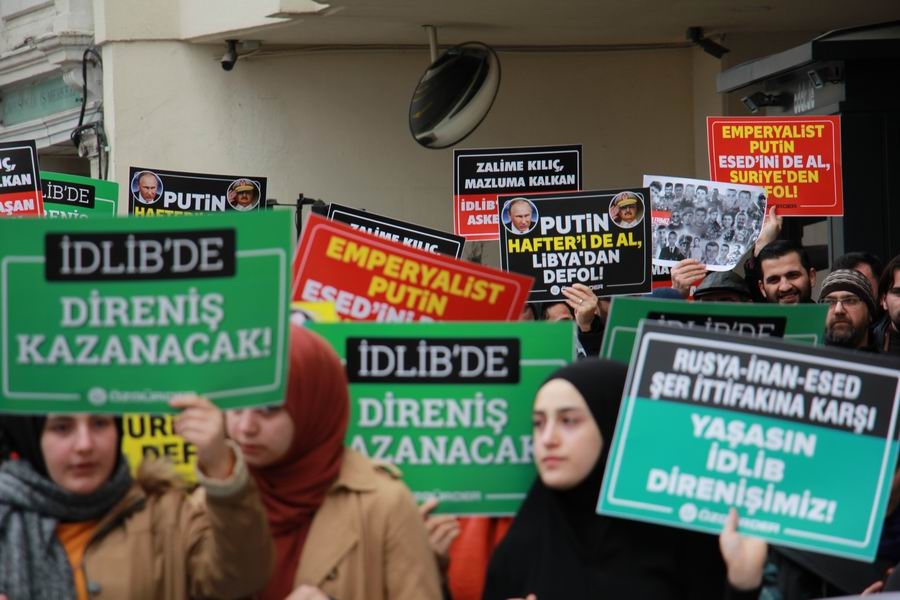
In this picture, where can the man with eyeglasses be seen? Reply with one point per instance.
(851, 305)
(887, 331)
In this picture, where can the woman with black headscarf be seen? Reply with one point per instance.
(73, 523)
(558, 547)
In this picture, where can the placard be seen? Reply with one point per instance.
(800, 323)
(408, 234)
(20, 180)
(155, 192)
(75, 197)
(796, 158)
(117, 315)
(577, 237)
(712, 222)
(373, 279)
(450, 403)
(804, 446)
(153, 436)
(480, 175)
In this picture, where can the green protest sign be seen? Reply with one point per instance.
(116, 315)
(75, 197)
(803, 446)
(450, 403)
(801, 323)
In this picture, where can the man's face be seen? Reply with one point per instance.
(701, 195)
(713, 216)
(699, 217)
(668, 190)
(744, 200)
(679, 191)
(727, 221)
(628, 213)
(712, 251)
(730, 198)
(244, 197)
(723, 253)
(891, 301)
(676, 219)
(847, 322)
(785, 281)
(741, 220)
(148, 187)
(689, 191)
(673, 238)
(520, 215)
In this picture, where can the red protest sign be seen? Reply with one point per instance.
(372, 279)
(797, 160)
(20, 181)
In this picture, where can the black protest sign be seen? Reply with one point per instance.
(480, 175)
(20, 180)
(408, 234)
(599, 239)
(154, 192)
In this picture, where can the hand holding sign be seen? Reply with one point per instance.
(686, 273)
(203, 425)
(744, 556)
(771, 227)
(583, 302)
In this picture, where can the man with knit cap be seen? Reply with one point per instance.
(851, 306)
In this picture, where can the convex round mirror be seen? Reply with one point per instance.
(454, 95)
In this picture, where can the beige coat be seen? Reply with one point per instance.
(367, 540)
(158, 542)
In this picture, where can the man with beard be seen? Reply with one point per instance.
(851, 305)
(787, 276)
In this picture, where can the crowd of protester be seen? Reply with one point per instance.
(284, 509)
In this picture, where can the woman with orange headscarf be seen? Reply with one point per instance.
(344, 526)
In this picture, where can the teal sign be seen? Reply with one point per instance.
(801, 323)
(75, 197)
(450, 403)
(804, 446)
(117, 315)
(38, 100)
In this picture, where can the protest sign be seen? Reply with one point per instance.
(372, 279)
(802, 445)
(154, 192)
(320, 312)
(714, 223)
(450, 403)
(153, 436)
(480, 175)
(797, 159)
(596, 238)
(801, 323)
(117, 315)
(20, 180)
(408, 234)
(75, 197)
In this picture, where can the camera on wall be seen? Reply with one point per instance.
(234, 50)
(230, 57)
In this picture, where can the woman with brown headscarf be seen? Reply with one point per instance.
(344, 526)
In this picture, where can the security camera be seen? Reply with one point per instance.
(230, 57)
